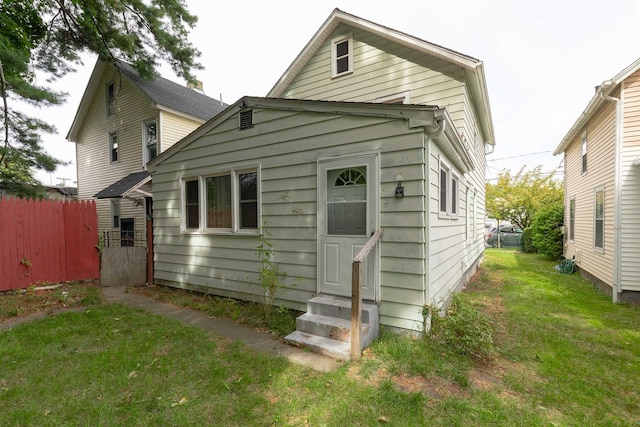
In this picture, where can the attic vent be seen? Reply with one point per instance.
(246, 119)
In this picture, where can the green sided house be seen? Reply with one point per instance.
(391, 136)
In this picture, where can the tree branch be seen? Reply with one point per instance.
(3, 89)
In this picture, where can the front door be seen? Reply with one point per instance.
(347, 216)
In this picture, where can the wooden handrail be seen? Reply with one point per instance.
(356, 294)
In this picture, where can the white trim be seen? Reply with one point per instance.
(334, 55)
(235, 202)
(115, 209)
(145, 146)
(570, 237)
(452, 175)
(117, 140)
(373, 208)
(597, 190)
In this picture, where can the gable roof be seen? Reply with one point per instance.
(124, 186)
(433, 119)
(474, 68)
(605, 89)
(165, 94)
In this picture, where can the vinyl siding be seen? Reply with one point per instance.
(382, 68)
(174, 128)
(630, 183)
(95, 170)
(287, 146)
(600, 173)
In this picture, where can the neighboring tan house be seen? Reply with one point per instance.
(602, 187)
(322, 174)
(123, 122)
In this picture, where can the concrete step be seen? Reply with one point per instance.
(323, 345)
(327, 305)
(329, 327)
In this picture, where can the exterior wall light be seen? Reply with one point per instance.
(399, 187)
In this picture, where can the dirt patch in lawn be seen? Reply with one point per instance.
(47, 299)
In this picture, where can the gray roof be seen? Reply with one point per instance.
(174, 96)
(117, 189)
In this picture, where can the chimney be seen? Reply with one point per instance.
(197, 85)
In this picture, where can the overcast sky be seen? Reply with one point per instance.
(542, 59)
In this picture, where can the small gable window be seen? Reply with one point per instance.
(342, 55)
(246, 119)
(111, 99)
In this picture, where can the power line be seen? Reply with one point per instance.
(521, 155)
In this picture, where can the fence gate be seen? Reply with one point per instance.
(47, 241)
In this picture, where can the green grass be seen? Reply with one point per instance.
(564, 355)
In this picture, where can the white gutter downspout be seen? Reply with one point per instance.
(617, 196)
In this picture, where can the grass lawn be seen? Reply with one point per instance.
(565, 355)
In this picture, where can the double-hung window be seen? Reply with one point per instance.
(449, 186)
(113, 147)
(342, 55)
(584, 152)
(598, 225)
(115, 214)
(572, 219)
(111, 98)
(227, 202)
(150, 131)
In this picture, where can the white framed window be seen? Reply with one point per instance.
(449, 188)
(572, 219)
(115, 214)
(342, 55)
(455, 186)
(111, 98)
(598, 217)
(113, 147)
(584, 152)
(226, 202)
(150, 140)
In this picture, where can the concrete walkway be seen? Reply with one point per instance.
(259, 341)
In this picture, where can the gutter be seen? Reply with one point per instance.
(617, 198)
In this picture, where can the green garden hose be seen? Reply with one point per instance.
(566, 266)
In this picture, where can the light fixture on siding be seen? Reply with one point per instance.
(399, 187)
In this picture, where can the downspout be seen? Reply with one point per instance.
(617, 204)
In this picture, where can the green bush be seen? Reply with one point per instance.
(527, 245)
(547, 230)
(464, 330)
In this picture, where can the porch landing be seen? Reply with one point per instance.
(326, 326)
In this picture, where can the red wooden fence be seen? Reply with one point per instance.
(47, 241)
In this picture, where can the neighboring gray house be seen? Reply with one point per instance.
(391, 135)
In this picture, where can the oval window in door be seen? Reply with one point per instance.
(347, 202)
